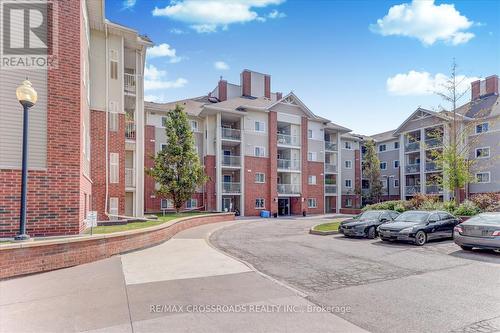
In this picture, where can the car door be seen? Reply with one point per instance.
(383, 218)
(433, 225)
(447, 224)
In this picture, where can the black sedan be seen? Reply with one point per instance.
(365, 224)
(419, 227)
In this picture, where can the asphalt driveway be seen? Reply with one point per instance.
(389, 287)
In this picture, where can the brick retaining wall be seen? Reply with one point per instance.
(45, 255)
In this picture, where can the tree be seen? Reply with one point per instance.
(371, 170)
(177, 168)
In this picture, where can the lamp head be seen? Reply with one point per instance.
(26, 95)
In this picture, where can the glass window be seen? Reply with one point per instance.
(483, 177)
(164, 121)
(260, 126)
(348, 164)
(413, 216)
(481, 128)
(192, 203)
(194, 125)
(312, 180)
(259, 203)
(382, 148)
(483, 152)
(260, 151)
(311, 203)
(310, 134)
(396, 164)
(348, 183)
(348, 145)
(260, 177)
(166, 204)
(396, 145)
(383, 165)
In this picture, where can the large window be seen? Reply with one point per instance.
(260, 203)
(311, 203)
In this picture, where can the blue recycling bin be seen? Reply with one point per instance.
(265, 213)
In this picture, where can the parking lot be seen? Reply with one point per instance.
(390, 287)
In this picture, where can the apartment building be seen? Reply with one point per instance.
(86, 130)
(407, 161)
(261, 150)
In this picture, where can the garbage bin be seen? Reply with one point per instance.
(265, 213)
(275, 215)
(304, 213)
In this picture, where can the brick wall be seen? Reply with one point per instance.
(41, 256)
(211, 200)
(255, 190)
(246, 83)
(316, 191)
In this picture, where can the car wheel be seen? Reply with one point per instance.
(466, 248)
(371, 234)
(420, 238)
(385, 239)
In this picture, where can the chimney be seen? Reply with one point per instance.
(267, 86)
(246, 83)
(222, 90)
(492, 85)
(279, 96)
(475, 90)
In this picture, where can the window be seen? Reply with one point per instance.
(348, 164)
(481, 128)
(382, 148)
(396, 164)
(166, 204)
(192, 203)
(260, 177)
(483, 152)
(312, 156)
(311, 180)
(113, 64)
(310, 134)
(311, 203)
(260, 151)
(483, 177)
(194, 125)
(396, 182)
(164, 121)
(383, 165)
(348, 145)
(114, 168)
(260, 126)
(396, 145)
(163, 146)
(348, 183)
(348, 202)
(260, 203)
(113, 206)
(113, 121)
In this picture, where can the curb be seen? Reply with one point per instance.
(322, 233)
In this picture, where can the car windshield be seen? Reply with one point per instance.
(370, 215)
(493, 219)
(412, 217)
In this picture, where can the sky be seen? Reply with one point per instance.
(366, 65)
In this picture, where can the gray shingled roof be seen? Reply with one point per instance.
(384, 136)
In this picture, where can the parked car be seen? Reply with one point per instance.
(419, 227)
(481, 231)
(365, 224)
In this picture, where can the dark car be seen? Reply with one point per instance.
(419, 227)
(365, 224)
(481, 231)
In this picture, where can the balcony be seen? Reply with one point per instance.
(432, 166)
(231, 134)
(330, 189)
(290, 140)
(231, 161)
(330, 168)
(129, 177)
(412, 189)
(413, 168)
(288, 164)
(412, 146)
(330, 146)
(130, 130)
(231, 187)
(434, 189)
(288, 189)
(433, 143)
(129, 83)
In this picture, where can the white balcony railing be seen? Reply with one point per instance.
(432, 166)
(433, 143)
(288, 164)
(330, 189)
(412, 146)
(231, 187)
(434, 189)
(129, 177)
(330, 168)
(290, 140)
(129, 83)
(231, 160)
(288, 188)
(412, 189)
(412, 168)
(130, 129)
(231, 133)
(330, 146)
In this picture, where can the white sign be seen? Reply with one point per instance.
(92, 219)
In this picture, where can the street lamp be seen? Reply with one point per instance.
(27, 96)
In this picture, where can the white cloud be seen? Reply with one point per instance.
(154, 79)
(416, 83)
(423, 20)
(276, 14)
(163, 50)
(128, 4)
(176, 31)
(207, 16)
(221, 65)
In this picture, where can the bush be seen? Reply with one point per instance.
(385, 205)
(467, 208)
(487, 202)
(431, 205)
(399, 207)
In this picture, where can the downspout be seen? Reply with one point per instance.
(107, 119)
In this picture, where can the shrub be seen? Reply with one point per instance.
(467, 208)
(399, 207)
(385, 205)
(487, 202)
(431, 205)
(449, 206)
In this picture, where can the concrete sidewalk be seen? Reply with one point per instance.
(182, 285)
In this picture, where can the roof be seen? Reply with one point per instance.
(192, 106)
(244, 102)
(384, 136)
(482, 107)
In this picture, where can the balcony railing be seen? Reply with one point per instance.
(288, 164)
(330, 189)
(288, 188)
(130, 129)
(412, 146)
(330, 168)
(433, 143)
(291, 140)
(432, 166)
(231, 187)
(330, 146)
(411, 190)
(231, 133)
(231, 160)
(434, 189)
(413, 168)
(129, 177)
(129, 83)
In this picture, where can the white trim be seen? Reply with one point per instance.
(350, 164)
(261, 123)
(482, 157)
(487, 125)
(485, 172)
(263, 177)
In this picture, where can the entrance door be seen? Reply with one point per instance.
(283, 206)
(227, 204)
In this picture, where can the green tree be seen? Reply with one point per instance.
(371, 170)
(177, 168)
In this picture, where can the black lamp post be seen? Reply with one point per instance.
(27, 96)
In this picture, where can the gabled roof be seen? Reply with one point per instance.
(384, 136)
(192, 106)
(421, 111)
(292, 99)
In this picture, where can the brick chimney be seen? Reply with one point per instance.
(475, 90)
(267, 86)
(246, 83)
(492, 85)
(222, 90)
(486, 87)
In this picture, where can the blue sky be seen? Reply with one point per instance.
(363, 64)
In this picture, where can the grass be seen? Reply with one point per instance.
(139, 225)
(330, 226)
